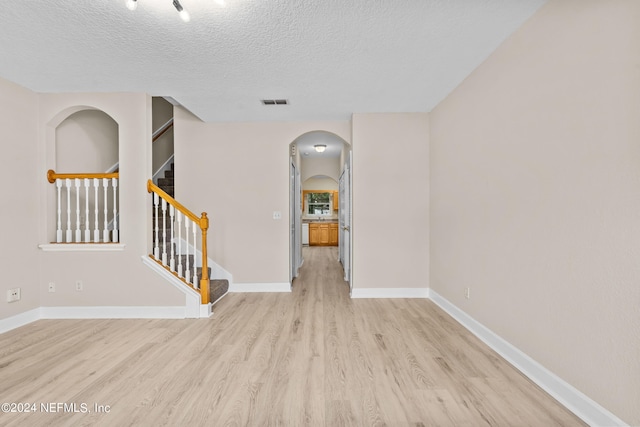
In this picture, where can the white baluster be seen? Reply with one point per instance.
(195, 271)
(114, 184)
(78, 231)
(87, 233)
(164, 232)
(156, 249)
(59, 229)
(187, 272)
(67, 182)
(172, 259)
(96, 230)
(179, 218)
(105, 231)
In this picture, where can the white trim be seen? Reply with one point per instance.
(18, 320)
(574, 400)
(260, 287)
(390, 293)
(192, 298)
(113, 312)
(205, 311)
(82, 247)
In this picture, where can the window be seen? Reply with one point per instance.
(318, 204)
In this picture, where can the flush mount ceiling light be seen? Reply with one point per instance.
(320, 147)
(133, 4)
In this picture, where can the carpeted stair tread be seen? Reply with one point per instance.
(217, 288)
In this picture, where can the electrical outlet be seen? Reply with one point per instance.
(467, 293)
(277, 215)
(13, 295)
(52, 287)
(79, 285)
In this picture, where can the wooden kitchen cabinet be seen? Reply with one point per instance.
(323, 234)
(333, 234)
(314, 234)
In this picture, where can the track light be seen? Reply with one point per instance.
(133, 4)
(183, 13)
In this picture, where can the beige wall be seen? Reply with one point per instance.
(314, 166)
(86, 141)
(535, 201)
(110, 279)
(18, 253)
(390, 200)
(320, 184)
(239, 174)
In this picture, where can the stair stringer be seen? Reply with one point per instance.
(217, 271)
(193, 308)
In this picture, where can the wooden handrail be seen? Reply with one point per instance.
(152, 188)
(52, 175)
(203, 223)
(161, 131)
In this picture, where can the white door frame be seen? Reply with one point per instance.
(345, 223)
(295, 225)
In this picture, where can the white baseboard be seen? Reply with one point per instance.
(260, 287)
(390, 293)
(18, 320)
(574, 400)
(106, 312)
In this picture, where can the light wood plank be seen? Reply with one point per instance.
(310, 358)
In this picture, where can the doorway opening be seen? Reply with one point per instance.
(320, 198)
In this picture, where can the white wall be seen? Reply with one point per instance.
(535, 201)
(239, 174)
(18, 253)
(390, 229)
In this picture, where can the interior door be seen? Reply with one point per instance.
(345, 220)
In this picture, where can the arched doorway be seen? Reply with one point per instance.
(318, 162)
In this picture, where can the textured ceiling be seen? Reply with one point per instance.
(329, 58)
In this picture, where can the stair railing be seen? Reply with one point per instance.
(75, 183)
(171, 251)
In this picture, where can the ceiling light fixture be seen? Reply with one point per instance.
(133, 5)
(183, 13)
(320, 148)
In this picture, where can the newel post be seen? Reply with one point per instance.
(204, 280)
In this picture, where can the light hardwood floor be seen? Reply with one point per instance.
(313, 357)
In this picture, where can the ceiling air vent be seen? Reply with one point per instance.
(275, 102)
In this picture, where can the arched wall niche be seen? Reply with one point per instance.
(80, 139)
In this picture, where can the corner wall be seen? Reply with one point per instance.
(535, 178)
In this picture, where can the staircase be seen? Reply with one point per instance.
(217, 287)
